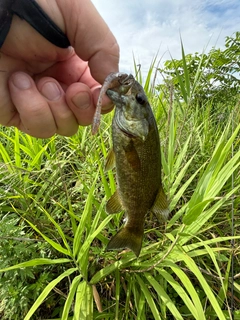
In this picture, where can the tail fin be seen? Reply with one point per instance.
(127, 238)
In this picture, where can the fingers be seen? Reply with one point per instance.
(65, 121)
(44, 109)
(41, 108)
(82, 90)
(41, 113)
(91, 37)
(82, 101)
(33, 111)
(26, 44)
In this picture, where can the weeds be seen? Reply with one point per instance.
(54, 227)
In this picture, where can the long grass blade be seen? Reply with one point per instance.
(180, 291)
(70, 297)
(149, 298)
(167, 301)
(80, 294)
(212, 299)
(36, 262)
(46, 292)
(53, 243)
(199, 313)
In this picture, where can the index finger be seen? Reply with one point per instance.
(91, 38)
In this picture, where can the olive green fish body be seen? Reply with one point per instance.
(136, 147)
(138, 170)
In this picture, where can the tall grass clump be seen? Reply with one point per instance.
(54, 227)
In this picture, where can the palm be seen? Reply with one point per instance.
(45, 89)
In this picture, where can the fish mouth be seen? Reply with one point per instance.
(114, 96)
(118, 99)
(117, 93)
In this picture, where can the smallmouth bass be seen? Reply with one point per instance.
(137, 157)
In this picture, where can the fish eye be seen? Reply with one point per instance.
(140, 98)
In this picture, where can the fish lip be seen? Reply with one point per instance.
(113, 95)
(109, 92)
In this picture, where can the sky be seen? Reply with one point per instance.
(144, 28)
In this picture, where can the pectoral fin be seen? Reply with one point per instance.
(114, 204)
(160, 207)
(110, 161)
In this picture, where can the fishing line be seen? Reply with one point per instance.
(138, 69)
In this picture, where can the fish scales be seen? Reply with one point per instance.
(136, 150)
(139, 179)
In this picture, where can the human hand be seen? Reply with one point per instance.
(45, 89)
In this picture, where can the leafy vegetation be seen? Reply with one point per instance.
(54, 228)
(207, 77)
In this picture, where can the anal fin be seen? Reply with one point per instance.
(114, 204)
(160, 207)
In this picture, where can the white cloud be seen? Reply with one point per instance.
(145, 27)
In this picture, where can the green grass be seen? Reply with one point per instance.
(54, 227)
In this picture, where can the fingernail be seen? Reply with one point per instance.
(81, 100)
(51, 91)
(21, 81)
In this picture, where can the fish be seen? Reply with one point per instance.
(112, 80)
(137, 158)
